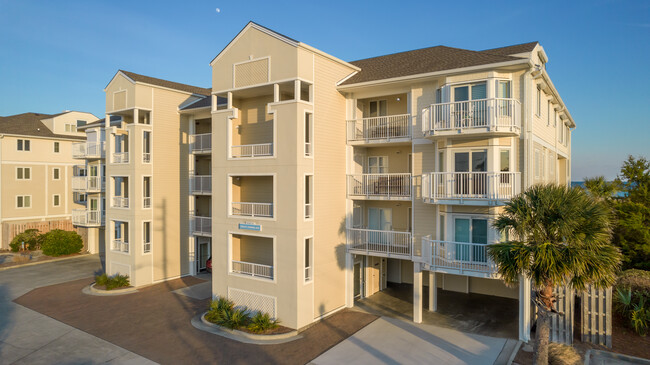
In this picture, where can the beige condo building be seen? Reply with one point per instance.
(313, 182)
(37, 171)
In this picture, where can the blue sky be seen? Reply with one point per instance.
(57, 55)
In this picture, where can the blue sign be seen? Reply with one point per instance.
(250, 227)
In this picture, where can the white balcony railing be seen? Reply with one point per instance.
(308, 273)
(120, 245)
(201, 226)
(252, 150)
(88, 150)
(488, 186)
(146, 157)
(201, 184)
(457, 257)
(245, 209)
(146, 202)
(492, 114)
(309, 210)
(378, 186)
(88, 184)
(249, 268)
(201, 143)
(379, 128)
(371, 241)
(120, 202)
(121, 157)
(83, 217)
(308, 147)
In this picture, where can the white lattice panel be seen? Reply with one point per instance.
(253, 301)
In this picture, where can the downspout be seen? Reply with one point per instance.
(528, 120)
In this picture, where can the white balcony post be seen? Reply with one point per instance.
(417, 293)
(524, 309)
(433, 292)
(349, 280)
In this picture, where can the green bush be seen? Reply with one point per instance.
(112, 282)
(223, 312)
(262, 322)
(30, 237)
(632, 294)
(59, 242)
(560, 354)
(635, 280)
(101, 280)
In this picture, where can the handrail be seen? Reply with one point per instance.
(460, 256)
(250, 209)
(252, 269)
(493, 114)
(493, 186)
(395, 185)
(378, 128)
(252, 150)
(379, 241)
(200, 143)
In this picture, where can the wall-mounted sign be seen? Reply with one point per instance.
(250, 226)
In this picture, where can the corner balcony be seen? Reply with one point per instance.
(252, 269)
(201, 226)
(379, 243)
(201, 143)
(457, 258)
(120, 202)
(252, 150)
(471, 188)
(88, 184)
(253, 210)
(87, 218)
(379, 130)
(201, 184)
(120, 245)
(473, 117)
(88, 150)
(379, 186)
(120, 158)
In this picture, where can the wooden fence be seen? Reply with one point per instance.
(11, 230)
(562, 324)
(596, 306)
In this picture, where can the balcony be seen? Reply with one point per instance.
(379, 186)
(252, 150)
(379, 243)
(201, 226)
(201, 184)
(264, 210)
(473, 188)
(88, 150)
(392, 128)
(201, 143)
(457, 258)
(252, 269)
(88, 184)
(146, 157)
(120, 202)
(120, 245)
(146, 202)
(87, 218)
(121, 157)
(494, 116)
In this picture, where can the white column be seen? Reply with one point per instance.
(229, 101)
(296, 90)
(417, 293)
(276, 93)
(433, 292)
(524, 309)
(349, 280)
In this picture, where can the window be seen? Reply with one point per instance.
(538, 163)
(551, 165)
(377, 164)
(308, 259)
(120, 237)
(309, 196)
(441, 228)
(539, 102)
(146, 237)
(378, 108)
(56, 147)
(23, 201)
(548, 112)
(70, 128)
(554, 117)
(56, 200)
(308, 135)
(471, 230)
(24, 145)
(56, 173)
(146, 147)
(23, 173)
(504, 166)
(79, 197)
(503, 89)
(146, 192)
(438, 96)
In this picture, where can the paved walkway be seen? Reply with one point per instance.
(394, 341)
(28, 337)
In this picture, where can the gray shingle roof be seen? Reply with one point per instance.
(510, 50)
(168, 84)
(29, 124)
(419, 61)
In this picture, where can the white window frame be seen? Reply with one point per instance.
(383, 167)
(56, 171)
(548, 113)
(57, 147)
(538, 111)
(23, 171)
(144, 237)
(54, 200)
(311, 136)
(275, 257)
(312, 196)
(311, 260)
(112, 235)
(537, 162)
(26, 145)
(24, 196)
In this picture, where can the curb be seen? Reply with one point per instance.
(614, 357)
(44, 262)
(199, 322)
(91, 290)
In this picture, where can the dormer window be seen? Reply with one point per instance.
(71, 128)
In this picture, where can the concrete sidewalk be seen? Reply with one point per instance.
(395, 341)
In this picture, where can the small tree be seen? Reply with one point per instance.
(31, 238)
(559, 236)
(59, 242)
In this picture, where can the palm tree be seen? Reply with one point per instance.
(558, 236)
(601, 188)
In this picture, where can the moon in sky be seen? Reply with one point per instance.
(218, 10)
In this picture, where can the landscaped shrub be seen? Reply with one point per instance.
(112, 282)
(560, 354)
(262, 322)
(217, 308)
(636, 280)
(59, 242)
(30, 237)
(632, 297)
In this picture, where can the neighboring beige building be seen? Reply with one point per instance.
(37, 170)
(312, 181)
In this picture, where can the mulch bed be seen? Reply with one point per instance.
(155, 323)
(36, 258)
(624, 341)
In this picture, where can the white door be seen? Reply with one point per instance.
(380, 219)
(203, 252)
